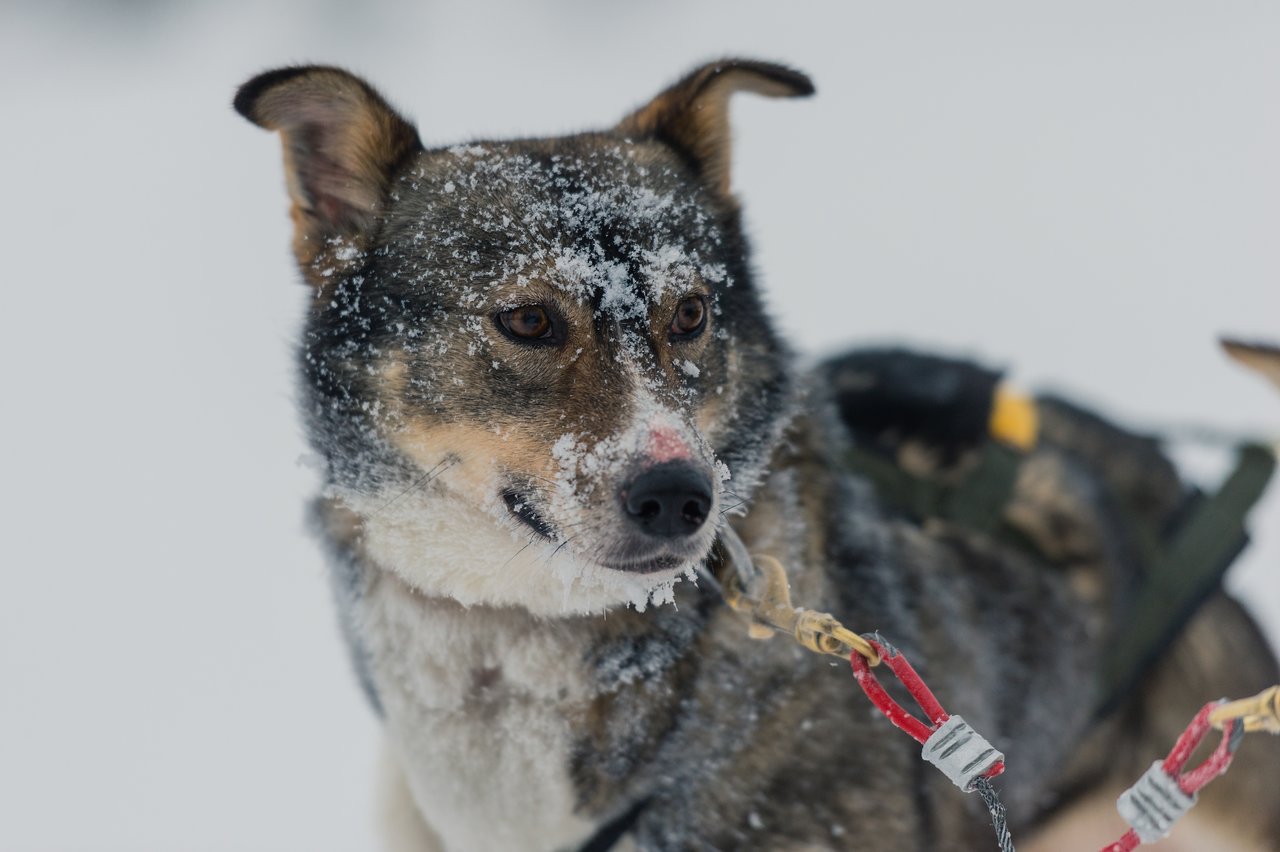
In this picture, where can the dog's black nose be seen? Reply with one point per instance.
(669, 500)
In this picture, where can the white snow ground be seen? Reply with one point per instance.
(1089, 193)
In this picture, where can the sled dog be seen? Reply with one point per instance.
(543, 382)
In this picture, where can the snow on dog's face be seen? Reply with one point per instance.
(538, 371)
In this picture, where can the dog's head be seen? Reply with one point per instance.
(538, 370)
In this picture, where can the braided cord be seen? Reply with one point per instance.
(998, 820)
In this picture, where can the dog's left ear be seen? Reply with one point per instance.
(342, 146)
(693, 115)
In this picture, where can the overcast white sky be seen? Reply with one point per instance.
(1086, 194)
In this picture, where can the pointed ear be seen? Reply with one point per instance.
(342, 145)
(1263, 357)
(693, 115)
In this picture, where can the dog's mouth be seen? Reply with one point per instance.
(522, 510)
(648, 566)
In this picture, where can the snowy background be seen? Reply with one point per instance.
(1087, 195)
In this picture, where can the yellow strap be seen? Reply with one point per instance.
(1014, 419)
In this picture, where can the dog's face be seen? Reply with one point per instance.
(538, 371)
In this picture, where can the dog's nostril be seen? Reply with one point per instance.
(670, 500)
(695, 511)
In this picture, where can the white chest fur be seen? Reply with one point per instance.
(476, 705)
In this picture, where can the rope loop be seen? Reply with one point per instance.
(1165, 792)
(949, 742)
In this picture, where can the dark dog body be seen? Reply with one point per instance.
(541, 377)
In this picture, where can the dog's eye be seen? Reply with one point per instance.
(691, 316)
(527, 323)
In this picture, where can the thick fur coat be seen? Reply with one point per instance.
(542, 378)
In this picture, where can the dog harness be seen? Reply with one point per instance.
(1184, 566)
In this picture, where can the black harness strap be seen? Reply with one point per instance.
(608, 835)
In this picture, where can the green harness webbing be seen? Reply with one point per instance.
(975, 502)
(1181, 573)
(1190, 569)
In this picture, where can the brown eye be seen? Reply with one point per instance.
(691, 316)
(527, 323)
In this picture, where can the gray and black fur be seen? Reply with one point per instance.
(415, 395)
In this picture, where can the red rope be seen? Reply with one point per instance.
(920, 693)
(1214, 765)
(1128, 843)
(891, 709)
(1193, 780)
(1190, 782)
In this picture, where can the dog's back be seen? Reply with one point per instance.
(1100, 506)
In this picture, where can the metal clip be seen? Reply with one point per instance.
(772, 609)
(820, 632)
(1259, 713)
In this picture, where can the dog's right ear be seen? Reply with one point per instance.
(342, 146)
